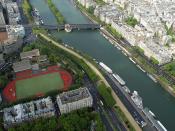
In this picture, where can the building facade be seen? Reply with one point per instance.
(73, 100)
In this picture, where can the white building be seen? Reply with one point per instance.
(108, 1)
(73, 100)
(28, 111)
(159, 52)
(15, 31)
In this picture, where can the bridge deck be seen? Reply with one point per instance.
(61, 26)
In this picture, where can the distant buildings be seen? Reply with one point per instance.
(87, 3)
(73, 100)
(11, 33)
(150, 33)
(13, 13)
(28, 111)
(15, 31)
(2, 20)
(2, 61)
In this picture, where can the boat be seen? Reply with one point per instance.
(125, 54)
(152, 118)
(162, 126)
(137, 99)
(119, 79)
(37, 18)
(132, 60)
(41, 22)
(141, 68)
(36, 12)
(118, 48)
(126, 89)
(152, 78)
(152, 113)
(105, 67)
(105, 36)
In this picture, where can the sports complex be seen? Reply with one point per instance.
(29, 84)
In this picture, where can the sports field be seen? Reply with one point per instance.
(38, 85)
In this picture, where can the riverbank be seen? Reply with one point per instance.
(129, 51)
(27, 9)
(59, 17)
(94, 68)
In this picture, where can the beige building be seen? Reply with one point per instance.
(22, 65)
(73, 100)
(30, 54)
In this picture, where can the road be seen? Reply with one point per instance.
(97, 105)
(131, 107)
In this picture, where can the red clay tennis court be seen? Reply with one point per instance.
(28, 84)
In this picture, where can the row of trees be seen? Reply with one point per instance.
(105, 92)
(50, 124)
(27, 8)
(3, 81)
(170, 68)
(58, 15)
(113, 32)
(79, 120)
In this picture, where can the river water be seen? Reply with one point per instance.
(95, 45)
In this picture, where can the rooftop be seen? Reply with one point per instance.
(22, 65)
(13, 12)
(74, 95)
(26, 111)
(30, 54)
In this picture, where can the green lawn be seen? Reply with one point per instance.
(40, 84)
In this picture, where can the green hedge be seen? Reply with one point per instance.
(55, 11)
(105, 92)
(27, 8)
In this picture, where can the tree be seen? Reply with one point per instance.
(131, 21)
(105, 92)
(3, 81)
(154, 61)
(91, 9)
(53, 58)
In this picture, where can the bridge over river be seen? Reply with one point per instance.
(67, 27)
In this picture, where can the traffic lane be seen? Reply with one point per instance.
(125, 101)
(96, 105)
(104, 119)
(116, 122)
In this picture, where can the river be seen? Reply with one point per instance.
(95, 45)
